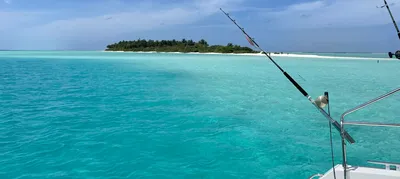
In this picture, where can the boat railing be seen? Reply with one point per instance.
(316, 175)
(343, 123)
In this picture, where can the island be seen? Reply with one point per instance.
(184, 46)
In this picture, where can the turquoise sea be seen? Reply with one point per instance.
(131, 115)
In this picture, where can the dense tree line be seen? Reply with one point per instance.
(176, 46)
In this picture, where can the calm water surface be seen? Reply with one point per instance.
(127, 115)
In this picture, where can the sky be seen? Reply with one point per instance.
(276, 25)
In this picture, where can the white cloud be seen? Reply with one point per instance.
(212, 6)
(117, 17)
(137, 19)
(108, 25)
(307, 6)
(339, 13)
(14, 20)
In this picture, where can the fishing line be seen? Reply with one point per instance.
(302, 91)
(330, 136)
(302, 77)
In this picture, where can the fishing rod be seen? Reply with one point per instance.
(321, 100)
(397, 53)
(391, 16)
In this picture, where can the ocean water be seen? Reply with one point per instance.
(131, 115)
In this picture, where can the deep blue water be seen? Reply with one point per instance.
(127, 115)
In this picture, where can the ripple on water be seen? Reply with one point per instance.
(182, 116)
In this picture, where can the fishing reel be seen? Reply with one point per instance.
(322, 100)
(396, 54)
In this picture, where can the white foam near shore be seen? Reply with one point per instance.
(290, 55)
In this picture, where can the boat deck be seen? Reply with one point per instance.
(362, 173)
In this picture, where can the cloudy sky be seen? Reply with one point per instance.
(277, 25)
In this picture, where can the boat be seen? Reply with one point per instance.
(391, 170)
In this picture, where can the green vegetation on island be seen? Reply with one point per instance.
(176, 46)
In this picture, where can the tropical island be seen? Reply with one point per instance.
(184, 46)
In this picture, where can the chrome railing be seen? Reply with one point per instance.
(342, 123)
(316, 175)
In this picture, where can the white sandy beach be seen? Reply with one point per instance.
(291, 55)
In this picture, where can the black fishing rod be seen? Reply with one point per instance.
(397, 53)
(391, 16)
(320, 101)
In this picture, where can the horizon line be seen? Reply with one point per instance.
(266, 51)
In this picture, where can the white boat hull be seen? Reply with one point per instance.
(362, 173)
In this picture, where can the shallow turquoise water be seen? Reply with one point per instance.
(127, 115)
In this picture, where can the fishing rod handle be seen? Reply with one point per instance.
(337, 126)
(302, 91)
(346, 135)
